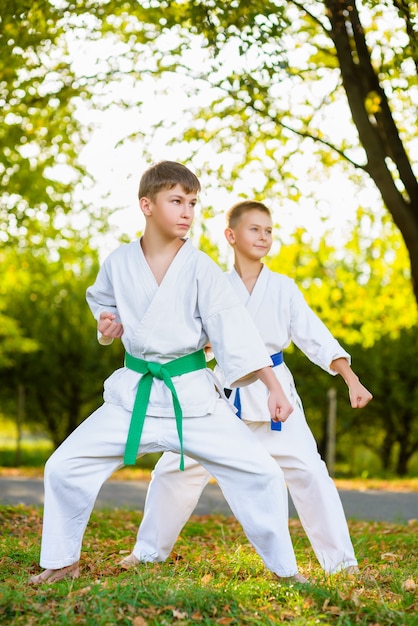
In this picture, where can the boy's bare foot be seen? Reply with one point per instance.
(351, 570)
(49, 576)
(129, 561)
(297, 578)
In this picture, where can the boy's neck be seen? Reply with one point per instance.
(248, 270)
(159, 253)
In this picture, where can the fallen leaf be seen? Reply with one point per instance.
(355, 599)
(409, 585)
(335, 610)
(196, 617)
(206, 579)
(287, 615)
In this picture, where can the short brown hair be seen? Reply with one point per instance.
(165, 175)
(235, 213)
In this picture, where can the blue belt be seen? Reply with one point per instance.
(277, 360)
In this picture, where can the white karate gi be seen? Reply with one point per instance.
(194, 304)
(282, 315)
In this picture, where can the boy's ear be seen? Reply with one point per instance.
(145, 205)
(229, 234)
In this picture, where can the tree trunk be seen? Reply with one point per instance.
(407, 444)
(19, 422)
(402, 463)
(377, 130)
(386, 450)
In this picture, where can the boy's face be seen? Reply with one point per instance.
(252, 237)
(171, 212)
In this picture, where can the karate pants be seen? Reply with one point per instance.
(252, 483)
(173, 495)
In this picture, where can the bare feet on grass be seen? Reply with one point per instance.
(297, 578)
(351, 570)
(129, 561)
(49, 576)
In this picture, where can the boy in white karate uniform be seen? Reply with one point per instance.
(166, 301)
(282, 315)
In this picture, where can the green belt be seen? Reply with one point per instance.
(163, 371)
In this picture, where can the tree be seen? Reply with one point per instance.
(270, 84)
(364, 82)
(393, 412)
(39, 131)
(276, 75)
(41, 137)
(63, 378)
(280, 74)
(363, 294)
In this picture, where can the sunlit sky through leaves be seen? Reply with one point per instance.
(116, 158)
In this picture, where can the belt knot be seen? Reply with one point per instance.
(156, 369)
(150, 370)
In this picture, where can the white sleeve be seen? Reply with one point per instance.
(311, 335)
(100, 296)
(234, 338)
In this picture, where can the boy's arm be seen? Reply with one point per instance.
(279, 406)
(108, 329)
(359, 395)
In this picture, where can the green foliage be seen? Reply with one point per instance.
(276, 50)
(393, 428)
(40, 135)
(215, 577)
(33, 455)
(209, 247)
(63, 377)
(275, 91)
(387, 429)
(362, 292)
(293, 93)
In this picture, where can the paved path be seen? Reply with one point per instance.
(358, 505)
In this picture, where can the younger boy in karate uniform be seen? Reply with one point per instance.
(282, 315)
(166, 301)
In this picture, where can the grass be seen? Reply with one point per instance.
(215, 577)
(143, 472)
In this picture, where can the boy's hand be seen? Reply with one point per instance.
(279, 406)
(359, 395)
(108, 327)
